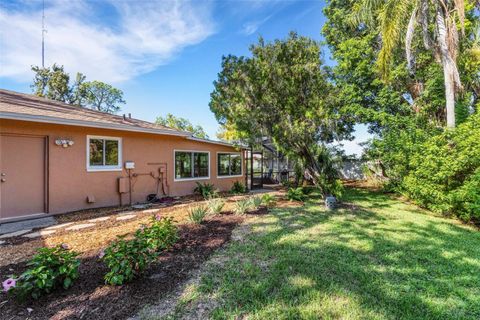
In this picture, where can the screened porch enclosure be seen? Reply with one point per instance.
(266, 166)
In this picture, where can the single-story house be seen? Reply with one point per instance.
(57, 158)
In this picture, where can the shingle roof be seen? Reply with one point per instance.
(20, 106)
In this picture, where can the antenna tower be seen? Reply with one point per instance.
(43, 33)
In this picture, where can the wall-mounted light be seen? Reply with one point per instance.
(64, 142)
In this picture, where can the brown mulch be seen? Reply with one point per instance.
(18, 249)
(90, 298)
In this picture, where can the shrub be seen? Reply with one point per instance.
(296, 194)
(242, 206)
(160, 235)
(238, 188)
(307, 190)
(126, 259)
(216, 205)
(444, 169)
(268, 200)
(288, 184)
(466, 199)
(327, 178)
(49, 269)
(198, 214)
(436, 168)
(206, 190)
(255, 202)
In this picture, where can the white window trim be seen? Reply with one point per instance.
(230, 176)
(119, 167)
(193, 178)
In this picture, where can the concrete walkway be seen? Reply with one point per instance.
(10, 227)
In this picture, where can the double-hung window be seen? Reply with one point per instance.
(104, 153)
(229, 164)
(192, 165)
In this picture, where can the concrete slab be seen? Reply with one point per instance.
(15, 234)
(126, 213)
(260, 191)
(80, 226)
(126, 217)
(10, 227)
(39, 233)
(59, 226)
(141, 206)
(99, 219)
(150, 211)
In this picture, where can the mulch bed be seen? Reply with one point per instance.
(90, 298)
(18, 249)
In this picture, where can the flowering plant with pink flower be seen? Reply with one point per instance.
(9, 284)
(48, 269)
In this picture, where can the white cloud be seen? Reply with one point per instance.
(145, 35)
(252, 26)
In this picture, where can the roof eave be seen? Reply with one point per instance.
(91, 124)
(215, 142)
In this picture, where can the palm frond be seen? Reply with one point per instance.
(364, 11)
(392, 19)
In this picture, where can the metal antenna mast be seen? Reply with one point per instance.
(43, 34)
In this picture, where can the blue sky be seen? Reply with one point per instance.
(164, 55)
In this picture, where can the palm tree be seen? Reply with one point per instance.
(394, 16)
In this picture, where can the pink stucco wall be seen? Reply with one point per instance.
(69, 182)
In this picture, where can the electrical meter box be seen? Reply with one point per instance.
(129, 165)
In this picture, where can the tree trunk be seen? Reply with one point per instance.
(408, 42)
(449, 95)
(312, 166)
(448, 67)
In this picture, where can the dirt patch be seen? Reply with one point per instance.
(284, 203)
(90, 298)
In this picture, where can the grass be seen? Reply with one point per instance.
(377, 258)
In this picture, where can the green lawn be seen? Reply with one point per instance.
(377, 259)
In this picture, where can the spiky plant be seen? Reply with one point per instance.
(197, 214)
(242, 206)
(215, 205)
